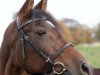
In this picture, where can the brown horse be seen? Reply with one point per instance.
(33, 45)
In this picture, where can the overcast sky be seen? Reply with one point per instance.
(84, 11)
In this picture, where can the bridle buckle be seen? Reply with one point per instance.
(27, 38)
(61, 66)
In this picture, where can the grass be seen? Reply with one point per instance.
(92, 54)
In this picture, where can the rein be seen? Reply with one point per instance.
(50, 61)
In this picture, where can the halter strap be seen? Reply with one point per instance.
(61, 51)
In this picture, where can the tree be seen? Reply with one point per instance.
(81, 34)
(75, 32)
(66, 33)
(97, 34)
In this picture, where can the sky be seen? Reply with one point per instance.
(84, 11)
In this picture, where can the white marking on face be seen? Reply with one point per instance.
(51, 24)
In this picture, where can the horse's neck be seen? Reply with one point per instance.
(7, 53)
(7, 66)
(11, 69)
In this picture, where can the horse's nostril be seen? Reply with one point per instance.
(84, 68)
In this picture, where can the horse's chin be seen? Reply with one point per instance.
(65, 73)
(37, 74)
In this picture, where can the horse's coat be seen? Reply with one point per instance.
(46, 37)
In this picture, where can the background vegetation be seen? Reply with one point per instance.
(87, 40)
(92, 54)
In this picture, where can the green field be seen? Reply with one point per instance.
(92, 54)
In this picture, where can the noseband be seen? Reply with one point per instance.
(50, 61)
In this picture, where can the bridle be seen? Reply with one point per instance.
(50, 61)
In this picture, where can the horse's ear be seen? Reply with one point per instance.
(42, 5)
(26, 9)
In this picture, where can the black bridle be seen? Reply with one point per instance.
(50, 61)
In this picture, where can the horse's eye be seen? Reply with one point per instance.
(40, 32)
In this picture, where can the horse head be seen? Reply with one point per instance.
(33, 44)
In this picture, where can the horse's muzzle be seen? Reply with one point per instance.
(64, 73)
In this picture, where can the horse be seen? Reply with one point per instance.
(33, 45)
